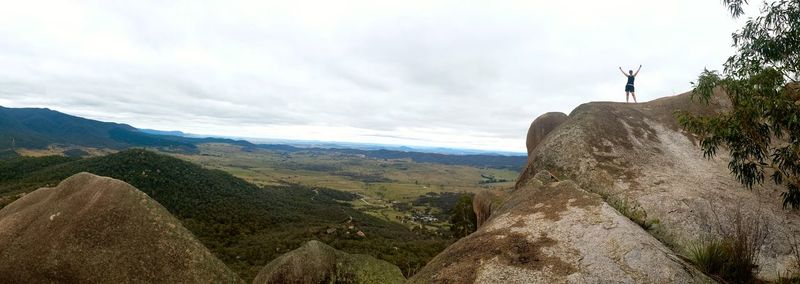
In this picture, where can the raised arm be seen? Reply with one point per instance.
(623, 72)
(637, 70)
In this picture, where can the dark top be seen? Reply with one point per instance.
(630, 80)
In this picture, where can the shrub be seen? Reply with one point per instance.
(732, 254)
(710, 256)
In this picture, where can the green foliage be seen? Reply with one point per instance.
(463, 221)
(19, 167)
(446, 201)
(8, 154)
(762, 129)
(244, 225)
(490, 179)
(736, 7)
(75, 153)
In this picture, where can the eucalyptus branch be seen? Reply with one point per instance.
(767, 61)
(788, 178)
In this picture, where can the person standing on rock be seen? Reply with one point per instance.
(629, 90)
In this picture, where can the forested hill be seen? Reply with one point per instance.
(244, 225)
(39, 127)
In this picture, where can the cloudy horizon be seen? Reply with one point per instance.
(417, 73)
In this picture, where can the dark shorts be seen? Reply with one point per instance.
(629, 89)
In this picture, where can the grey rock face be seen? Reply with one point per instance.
(638, 152)
(557, 233)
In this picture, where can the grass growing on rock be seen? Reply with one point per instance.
(732, 254)
(633, 211)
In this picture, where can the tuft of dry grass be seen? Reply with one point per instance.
(731, 255)
(792, 276)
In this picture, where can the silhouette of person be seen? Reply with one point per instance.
(629, 89)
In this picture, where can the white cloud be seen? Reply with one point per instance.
(449, 73)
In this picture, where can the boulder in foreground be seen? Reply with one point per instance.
(639, 153)
(555, 232)
(92, 229)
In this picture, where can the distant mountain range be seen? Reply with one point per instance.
(341, 144)
(37, 128)
(373, 146)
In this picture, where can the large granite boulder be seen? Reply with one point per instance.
(639, 153)
(555, 232)
(92, 229)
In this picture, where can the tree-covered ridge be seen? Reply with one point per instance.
(37, 128)
(244, 225)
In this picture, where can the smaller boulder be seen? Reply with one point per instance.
(310, 263)
(542, 126)
(316, 262)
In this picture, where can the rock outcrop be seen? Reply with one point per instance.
(638, 153)
(541, 126)
(92, 229)
(555, 232)
(316, 262)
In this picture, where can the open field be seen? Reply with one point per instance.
(61, 149)
(388, 187)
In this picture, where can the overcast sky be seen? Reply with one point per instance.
(469, 74)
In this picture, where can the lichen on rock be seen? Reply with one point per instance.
(555, 232)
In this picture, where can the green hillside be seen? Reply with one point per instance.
(244, 225)
(36, 128)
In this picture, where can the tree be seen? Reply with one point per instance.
(463, 221)
(762, 129)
